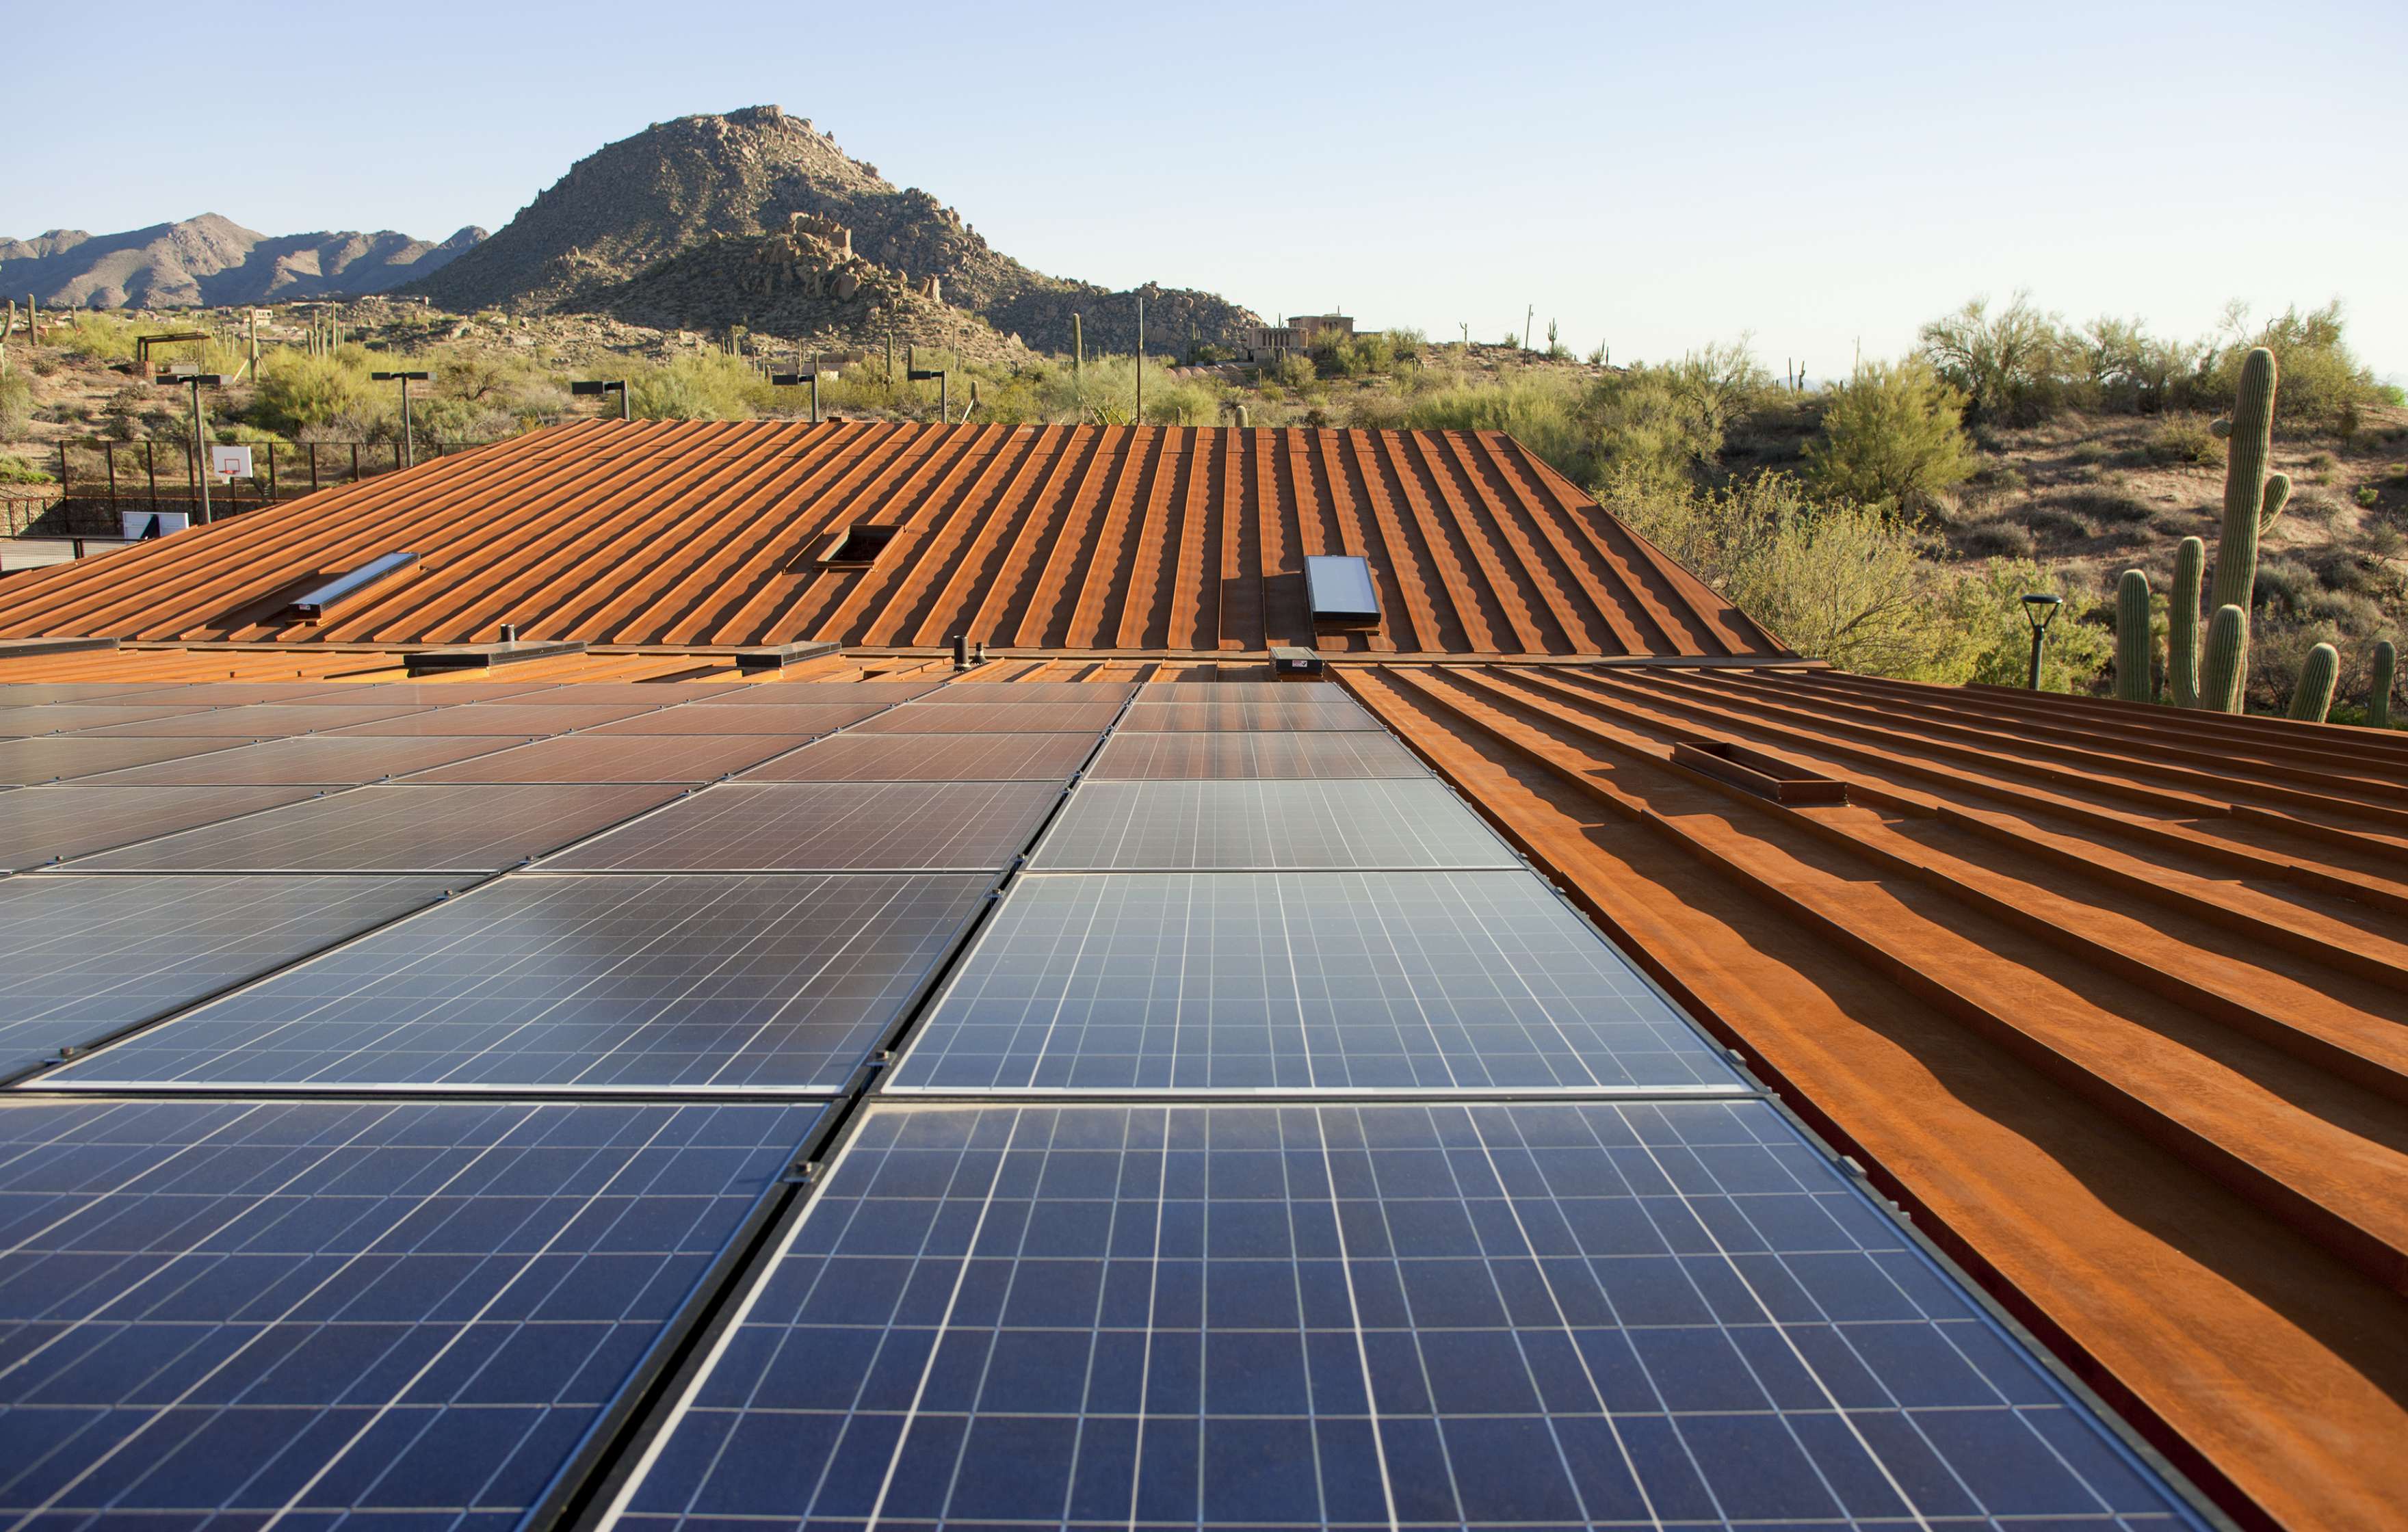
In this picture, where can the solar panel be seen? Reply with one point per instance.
(254, 1314)
(833, 827)
(1324, 982)
(441, 694)
(797, 720)
(1208, 757)
(503, 718)
(925, 717)
(26, 762)
(1150, 717)
(966, 693)
(816, 693)
(1220, 1317)
(265, 722)
(902, 757)
(313, 758)
(88, 955)
(1241, 691)
(39, 824)
(63, 717)
(634, 758)
(639, 693)
(1237, 826)
(228, 693)
(387, 829)
(779, 981)
(25, 693)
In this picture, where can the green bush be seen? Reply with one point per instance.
(2185, 439)
(15, 407)
(1891, 436)
(300, 393)
(2322, 383)
(16, 471)
(708, 386)
(2009, 366)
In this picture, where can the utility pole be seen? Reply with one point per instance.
(1529, 315)
(200, 430)
(1140, 361)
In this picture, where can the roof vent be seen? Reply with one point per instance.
(1339, 587)
(859, 545)
(314, 604)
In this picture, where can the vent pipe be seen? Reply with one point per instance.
(961, 651)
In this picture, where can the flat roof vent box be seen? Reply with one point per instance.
(1339, 587)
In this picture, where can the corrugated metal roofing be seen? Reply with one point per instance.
(2114, 997)
(1144, 539)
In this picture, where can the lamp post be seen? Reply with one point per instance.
(605, 386)
(200, 428)
(408, 441)
(789, 379)
(923, 375)
(2039, 610)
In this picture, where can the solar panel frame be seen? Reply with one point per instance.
(1301, 983)
(264, 720)
(51, 823)
(1169, 692)
(26, 693)
(1252, 717)
(505, 719)
(60, 757)
(331, 1308)
(853, 757)
(41, 718)
(1481, 1316)
(91, 957)
(656, 694)
(1267, 825)
(795, 720)
(1226, 756)
(690, 758)
(318, 759)
(826, 827)
(924, 717)
(392, 830)
(962, 693)
(814, 693)
(664, 986)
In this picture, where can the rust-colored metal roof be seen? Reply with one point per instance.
(1122, 538)
(2114, 998)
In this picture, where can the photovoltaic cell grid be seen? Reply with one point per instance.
(1300, 982)
(26, 693)
(384, 829)
(1180, 717)
(901, 757)
(63, 718)
(927, 717)
(88, 955)
(27, 763)
(1236, 757)
(311, 1309)
(318, 759)
(1536, 1315)
(519, 717)
(1240, 825)
(825, 826)
(265, 722)
(39, 824)
(799, 721)
(964, 692)
(812, 692)
(597, 758)
(662, 983)
(1241, 691)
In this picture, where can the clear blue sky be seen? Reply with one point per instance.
(1650, 175)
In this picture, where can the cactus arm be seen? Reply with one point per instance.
(2378, 695)
(2251, 503)
(2182, 622)
(2221, 676)
(2133, 645)
(2313, 697)
(2278, 495)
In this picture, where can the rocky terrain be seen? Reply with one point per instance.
(757, 218)
(213, 261)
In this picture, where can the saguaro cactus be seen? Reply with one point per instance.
(2221, 675)
(2181, 624)
(2313, 699)
(2252, 502)
(2133, 645)
(2378, 695)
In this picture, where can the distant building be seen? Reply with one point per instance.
(1270, 342)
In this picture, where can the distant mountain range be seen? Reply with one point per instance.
(212, 262)
(751, 218)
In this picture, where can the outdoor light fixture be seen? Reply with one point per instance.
(198, 380)
(922, 375)
(605, 385)
(2039, 610)
(790, 380)
(409, 442)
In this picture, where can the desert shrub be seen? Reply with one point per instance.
(2368, 497)
(1891, 435)
(15, 407)
(1984, 608)
(2284, 584)
(2185, 439)
(2315, 508)
(1999, 539)
(102, 337)
(1294, 371)
(298, 392)
(2087, 453)
(17, 471)
(2064, 525)
(2108, 502)
(2381, 540)
(2322, 384)
(1542, 409)
(712, 386)
(2008, 364)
